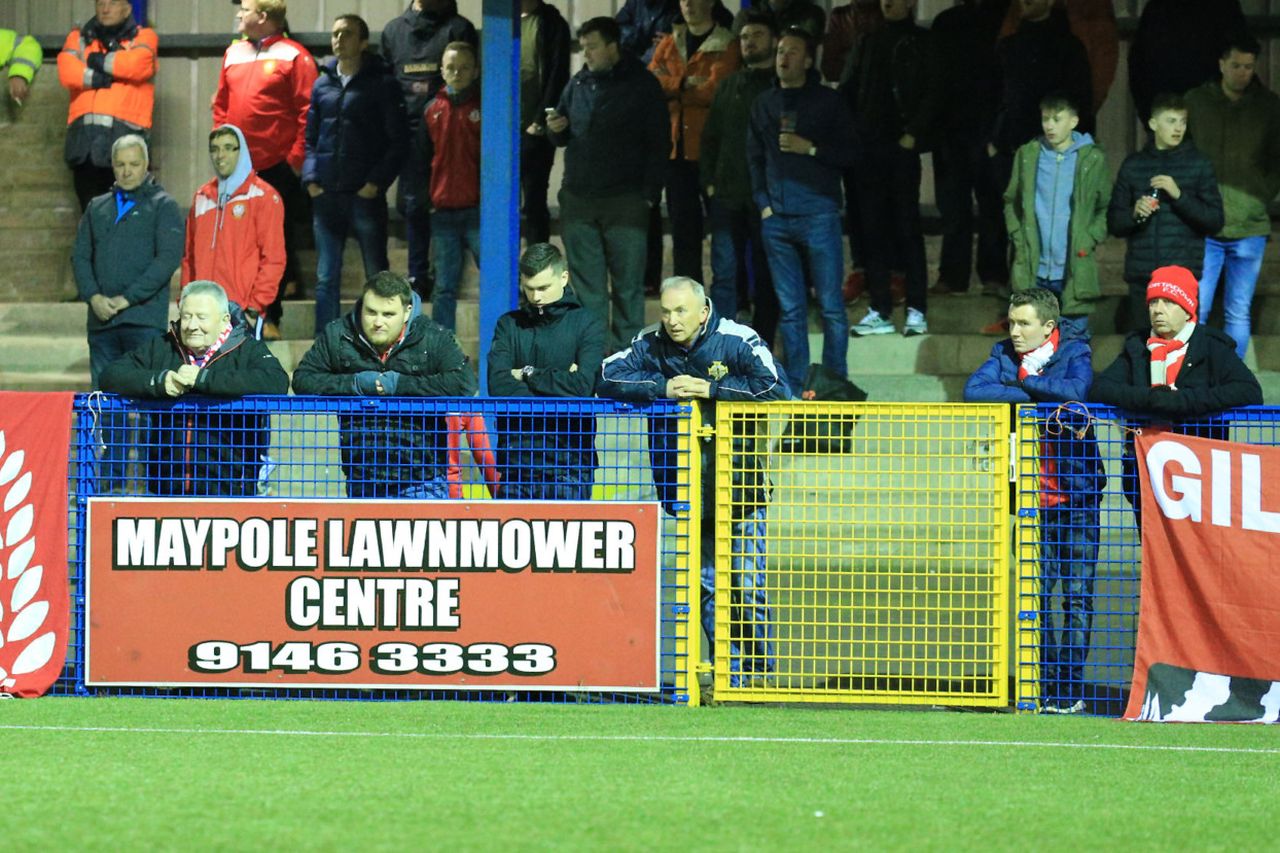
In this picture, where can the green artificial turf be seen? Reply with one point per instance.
(201, 774)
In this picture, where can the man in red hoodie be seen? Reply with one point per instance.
(235, 229)
(453, 139)
(264, 88)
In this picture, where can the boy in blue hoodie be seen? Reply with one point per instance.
(1055, 208)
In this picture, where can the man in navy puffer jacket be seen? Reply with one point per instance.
(1037, 366)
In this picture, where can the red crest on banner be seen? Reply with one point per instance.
(35, 434)
(1209, 626)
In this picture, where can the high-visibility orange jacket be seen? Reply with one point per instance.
(131, 68)
(716, 59)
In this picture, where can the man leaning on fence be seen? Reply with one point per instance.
(695, 354)
(193, 451)
(386, 347)
(1177, 370)
(550, 346)
(1038, 365)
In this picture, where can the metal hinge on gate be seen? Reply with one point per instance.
(1027, 512)
(1028, 615)
(682, 609)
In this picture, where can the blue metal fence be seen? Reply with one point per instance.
(1078, 555)
(387, 449)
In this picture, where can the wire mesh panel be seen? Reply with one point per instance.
(1079, 555)
(283, 449)
(861, 553)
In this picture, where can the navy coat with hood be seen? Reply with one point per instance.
(545, 457)
(738, 365)
(385, 455)
(413, 45)
(356, 134)
(200, 451)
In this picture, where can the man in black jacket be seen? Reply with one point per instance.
(544, 71)
(549, 347)
(613, 121)
(193, 451)
(127, 246)
(386, 347)
(413, 44)
(1164, 203)
(1177, 370)
(357, 139)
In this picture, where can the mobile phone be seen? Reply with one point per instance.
(550, 111)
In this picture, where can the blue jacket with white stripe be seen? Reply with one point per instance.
(739, 367)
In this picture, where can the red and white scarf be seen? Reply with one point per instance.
(203, 359)
(1031, 363)
(1167, 355)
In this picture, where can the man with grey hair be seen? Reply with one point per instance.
(695, 354)
(127, 246)
(202, 452)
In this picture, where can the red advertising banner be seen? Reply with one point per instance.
(397, 594)
(35, 435)
(1209, 626)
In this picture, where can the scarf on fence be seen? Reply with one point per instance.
(1167, 355)
(1031, 363)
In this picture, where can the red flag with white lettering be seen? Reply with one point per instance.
(35, 434)
(1209, 625)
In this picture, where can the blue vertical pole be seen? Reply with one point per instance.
(140, 12)
(499, 168)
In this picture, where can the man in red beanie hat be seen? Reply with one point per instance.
(1177, 370)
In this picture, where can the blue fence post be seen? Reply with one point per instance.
(499, 168)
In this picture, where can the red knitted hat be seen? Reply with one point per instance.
(1176, 284)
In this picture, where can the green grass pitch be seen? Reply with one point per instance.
(137, 774)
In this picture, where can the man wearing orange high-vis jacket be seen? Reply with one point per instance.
(265, 90)
(108, 66)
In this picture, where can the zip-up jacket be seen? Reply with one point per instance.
(201, 450)
(619, 136)
(264, 88)
(738, 366)
(20, 56)
(1174, 234)
(387, 455)
(1077, 475)
(413, 44)
(356, 134)
(237, 239)
(1086, 228)
(715, 59)
(893, 85)
(133, 256)
(1212, 378)
(547, 456)
(109, 74)
(723, 156)
(453, 137)
(797, 184)
(1242, 140)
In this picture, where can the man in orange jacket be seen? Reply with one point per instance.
(235, 229)
(264, 88)
(107, 66)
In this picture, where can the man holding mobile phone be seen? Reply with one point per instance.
(544, 71)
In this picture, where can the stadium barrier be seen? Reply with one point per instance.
(1078, 555)
(292, 450)
(887, 570)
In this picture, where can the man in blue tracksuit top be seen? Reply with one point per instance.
(800, 141)
(1038, 365)
(696, 354)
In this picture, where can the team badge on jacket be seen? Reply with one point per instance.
(717, 370)
(237, 210)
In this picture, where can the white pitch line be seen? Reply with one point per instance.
(821, 741)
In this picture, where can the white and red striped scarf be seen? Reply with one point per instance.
(203, 359)
(1167, 356)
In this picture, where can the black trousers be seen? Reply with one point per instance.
(889, 203)
(537, 155)
(964, 173)
(297, 226)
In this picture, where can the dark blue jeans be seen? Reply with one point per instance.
(334, 214)
(105, 346)
(454, 232)
(737, 247)
(751, 644)
(792, 245)
(1068, 561)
